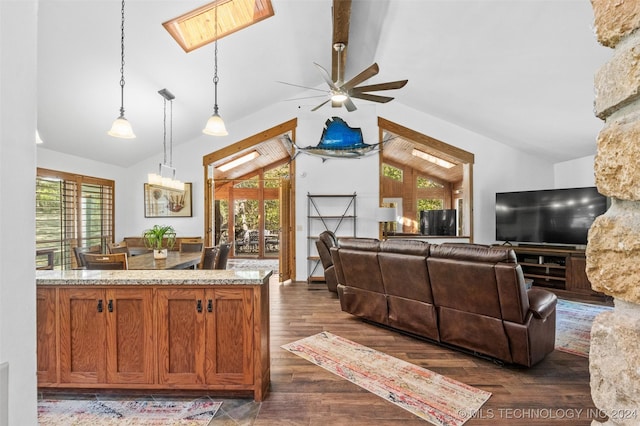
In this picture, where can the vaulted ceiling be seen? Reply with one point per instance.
(519, 72)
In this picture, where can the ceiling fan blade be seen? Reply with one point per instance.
(364, 75)
(349, 105)
(305, 97)
(304, 87)
(370, 97)
(381, 86)
(326, 77)
(341, 21)
(319, 106)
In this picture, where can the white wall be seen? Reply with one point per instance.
(17, 207)
(497, 168)
(576, 173)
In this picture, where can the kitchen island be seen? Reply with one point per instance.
(160, 330)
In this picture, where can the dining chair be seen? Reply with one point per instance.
(223, 255)
(209, 257)
(106, 261)
(79, 253)
(191, 244)
(120, 247)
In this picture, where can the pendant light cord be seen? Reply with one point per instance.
(164, 133)
(122, 62)
(215, 66)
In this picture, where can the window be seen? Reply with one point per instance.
(427, 183)
(392, 172)
(72, 210)
(195, 28)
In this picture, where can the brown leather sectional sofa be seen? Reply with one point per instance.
(464, 295)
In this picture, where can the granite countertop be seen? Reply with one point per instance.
(153, 277)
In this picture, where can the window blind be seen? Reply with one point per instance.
(72, 210)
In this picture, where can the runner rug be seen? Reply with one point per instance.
(81, 412)
(435, 398)
(573, 326)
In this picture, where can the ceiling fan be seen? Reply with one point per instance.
(340, 92)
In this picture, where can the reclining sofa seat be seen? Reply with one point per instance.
(484, 306)
(326, 240)
(466, 295)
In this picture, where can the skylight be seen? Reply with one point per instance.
(433, 159)
(197, 28)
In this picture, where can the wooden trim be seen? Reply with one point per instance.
(467, 158)
(405, 132)
(240, 146)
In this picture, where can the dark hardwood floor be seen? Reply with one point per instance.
(556, 391)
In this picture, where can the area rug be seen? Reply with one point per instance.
(73, 412)
(428, 395)
(573, 326)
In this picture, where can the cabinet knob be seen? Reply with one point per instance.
(100, 305)
(210, 306)
(110, 305)
(199, 306)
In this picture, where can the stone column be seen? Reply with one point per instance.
(613, 252)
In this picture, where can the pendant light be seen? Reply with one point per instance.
(121, 128)
(215, 126)
(154, 179)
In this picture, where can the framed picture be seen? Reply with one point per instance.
(166, 202)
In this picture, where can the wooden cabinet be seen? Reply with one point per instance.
(213, 337)
(181, 344)
(106, 335)
(46, 322)
(230, 337)
(205, 336)
(129, 331)
(560, 270)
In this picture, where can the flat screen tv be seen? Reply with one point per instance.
(438, 222)
(560, 216)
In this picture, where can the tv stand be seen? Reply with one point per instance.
(557, 268)
(546, 246)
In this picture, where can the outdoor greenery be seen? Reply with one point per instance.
(424, 182)
(392, 172)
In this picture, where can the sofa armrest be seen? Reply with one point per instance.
(541, 302)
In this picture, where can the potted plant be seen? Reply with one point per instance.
(154, 238)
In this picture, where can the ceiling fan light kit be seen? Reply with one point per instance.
(121, 128)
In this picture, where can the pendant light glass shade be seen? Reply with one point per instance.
(215, 126)
(121, 128)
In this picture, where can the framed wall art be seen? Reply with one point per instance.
(160, 201)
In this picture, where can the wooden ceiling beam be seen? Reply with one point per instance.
(341, 21)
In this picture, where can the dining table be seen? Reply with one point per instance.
(174, 260)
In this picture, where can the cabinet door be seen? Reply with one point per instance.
(181, 334)
(129, 314)
(82, 335)
(229, 336)
(577, 280)
(46, 335)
